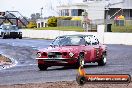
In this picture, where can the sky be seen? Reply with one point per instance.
(27, 7)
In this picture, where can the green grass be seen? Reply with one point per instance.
(126, 28)
(70, 28)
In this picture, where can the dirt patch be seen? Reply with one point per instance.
(70, 84)
(4, 60)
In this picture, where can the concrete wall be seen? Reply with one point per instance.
(107, 38)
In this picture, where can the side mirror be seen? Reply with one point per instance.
(51, 45)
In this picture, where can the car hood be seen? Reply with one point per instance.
(11, 30)
(62, 49)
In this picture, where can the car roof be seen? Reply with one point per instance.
(79, 35)
(7, 25)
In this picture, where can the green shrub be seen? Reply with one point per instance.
(52, 22)
(32, 24)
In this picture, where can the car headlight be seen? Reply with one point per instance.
(39, 54)
(71, 54)
(64, 53)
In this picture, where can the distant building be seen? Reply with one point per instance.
(72, 10)
(98, 9)
(42, 23)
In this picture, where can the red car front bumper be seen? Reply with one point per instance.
(57, 61)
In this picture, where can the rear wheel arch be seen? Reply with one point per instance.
(103, 59)
(104, 52)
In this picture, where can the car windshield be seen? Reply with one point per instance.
(10, 27)
(69, 41)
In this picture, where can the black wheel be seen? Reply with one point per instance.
(3, 36)
(20, 37)
(42, 67)
(80, 60)
(102, 62)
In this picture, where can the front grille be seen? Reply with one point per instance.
(54, 55)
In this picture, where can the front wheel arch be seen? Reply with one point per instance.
(80, 59)
(3, 35)
(42, 67)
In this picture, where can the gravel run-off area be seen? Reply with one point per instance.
(70, 84)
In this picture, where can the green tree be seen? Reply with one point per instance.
(35, 16)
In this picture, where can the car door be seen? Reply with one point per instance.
(88, 50)
(97, 48)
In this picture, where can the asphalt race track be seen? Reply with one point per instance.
(119, 61)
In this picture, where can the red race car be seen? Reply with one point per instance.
(72, 50)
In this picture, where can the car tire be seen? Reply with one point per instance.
(102, 62)
(20, 37)
(42, 67)
(80, 60)
(3, 36)
(14, 37)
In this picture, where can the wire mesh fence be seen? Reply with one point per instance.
(68, 23)
(116, 26)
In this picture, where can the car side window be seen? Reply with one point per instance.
(82, 41)
(88, 40)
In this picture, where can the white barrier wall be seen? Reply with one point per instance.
(118, 38)
(108, 38)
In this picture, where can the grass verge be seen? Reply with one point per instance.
(69, 28)
(126, 28)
